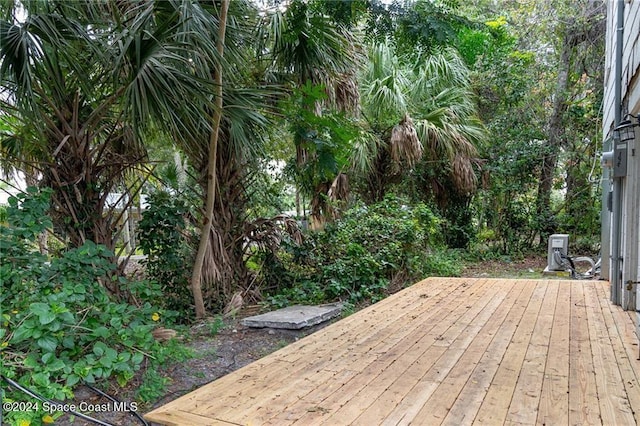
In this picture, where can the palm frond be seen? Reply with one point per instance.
(16, 50)
(405, 146)
(463, 175)
(365, 149)
(438, 71)
(385, 85)
(345, 93)
(267, 233)
(306, 47)
(339, 189)
(447, 140)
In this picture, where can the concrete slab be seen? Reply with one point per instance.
(294, 317)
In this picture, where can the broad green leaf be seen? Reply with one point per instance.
(41, 379)
(72, 380)
(137, 358)
(39, 308)
(47, 343)
(22, 333)
(31, 361)
(56, 365)
(101, 332)
(99, 348)
(48, 357)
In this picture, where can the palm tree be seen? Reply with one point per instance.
(87, 81)
(416, 113)
(306, 50)
(225, 156)
(210, 194)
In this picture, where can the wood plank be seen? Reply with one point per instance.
(183, 418)
(614, 405)
(380, 397)
(436, 409)
(445, 351)
(466, 407)
(495, 407)
(627, 361)
(583, 397)
(526, 396)
(554, 400)
(377, 351)
(424, 389)
(246, 384)
(445, 328)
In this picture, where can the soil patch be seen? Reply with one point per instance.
(528, 267)
(217, 349)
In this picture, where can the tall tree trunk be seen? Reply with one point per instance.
(225, 272)
(577, 33)
(196, 278)
(554, 140)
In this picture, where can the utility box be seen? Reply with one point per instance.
(557, 242)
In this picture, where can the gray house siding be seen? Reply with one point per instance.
(629, 184)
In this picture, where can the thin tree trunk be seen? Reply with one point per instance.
(555, 136)
(196, 278)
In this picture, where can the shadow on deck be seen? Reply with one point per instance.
(448, 351)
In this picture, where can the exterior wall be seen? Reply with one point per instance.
(630, 61)
(631, 57)
(630, 184)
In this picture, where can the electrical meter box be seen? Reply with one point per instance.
(557, 242)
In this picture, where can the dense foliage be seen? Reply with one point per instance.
(60, 326)
(540, 97)
(167, 239)
(371, 251)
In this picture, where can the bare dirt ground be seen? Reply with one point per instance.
(528, 267)
(214, 355)
(222, 348)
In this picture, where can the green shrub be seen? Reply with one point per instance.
(60, 326)
(3, 214)
(167, 241)
(357, 257)
(442, 263)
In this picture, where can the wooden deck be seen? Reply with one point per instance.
(450, 351)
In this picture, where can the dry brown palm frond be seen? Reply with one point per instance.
(292, 229)
(482, 172)
(234, 305)
(405, 146)
(339, 190)
(463, 175)
(346, 94)
(162, 334)
(266, 233)
(486, 179)
(215, 257)
(337, 195)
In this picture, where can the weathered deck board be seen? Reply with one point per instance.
(583, 399)
(554, 403)
(451, 351)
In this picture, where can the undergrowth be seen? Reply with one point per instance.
(60, 325)
(369, 252)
